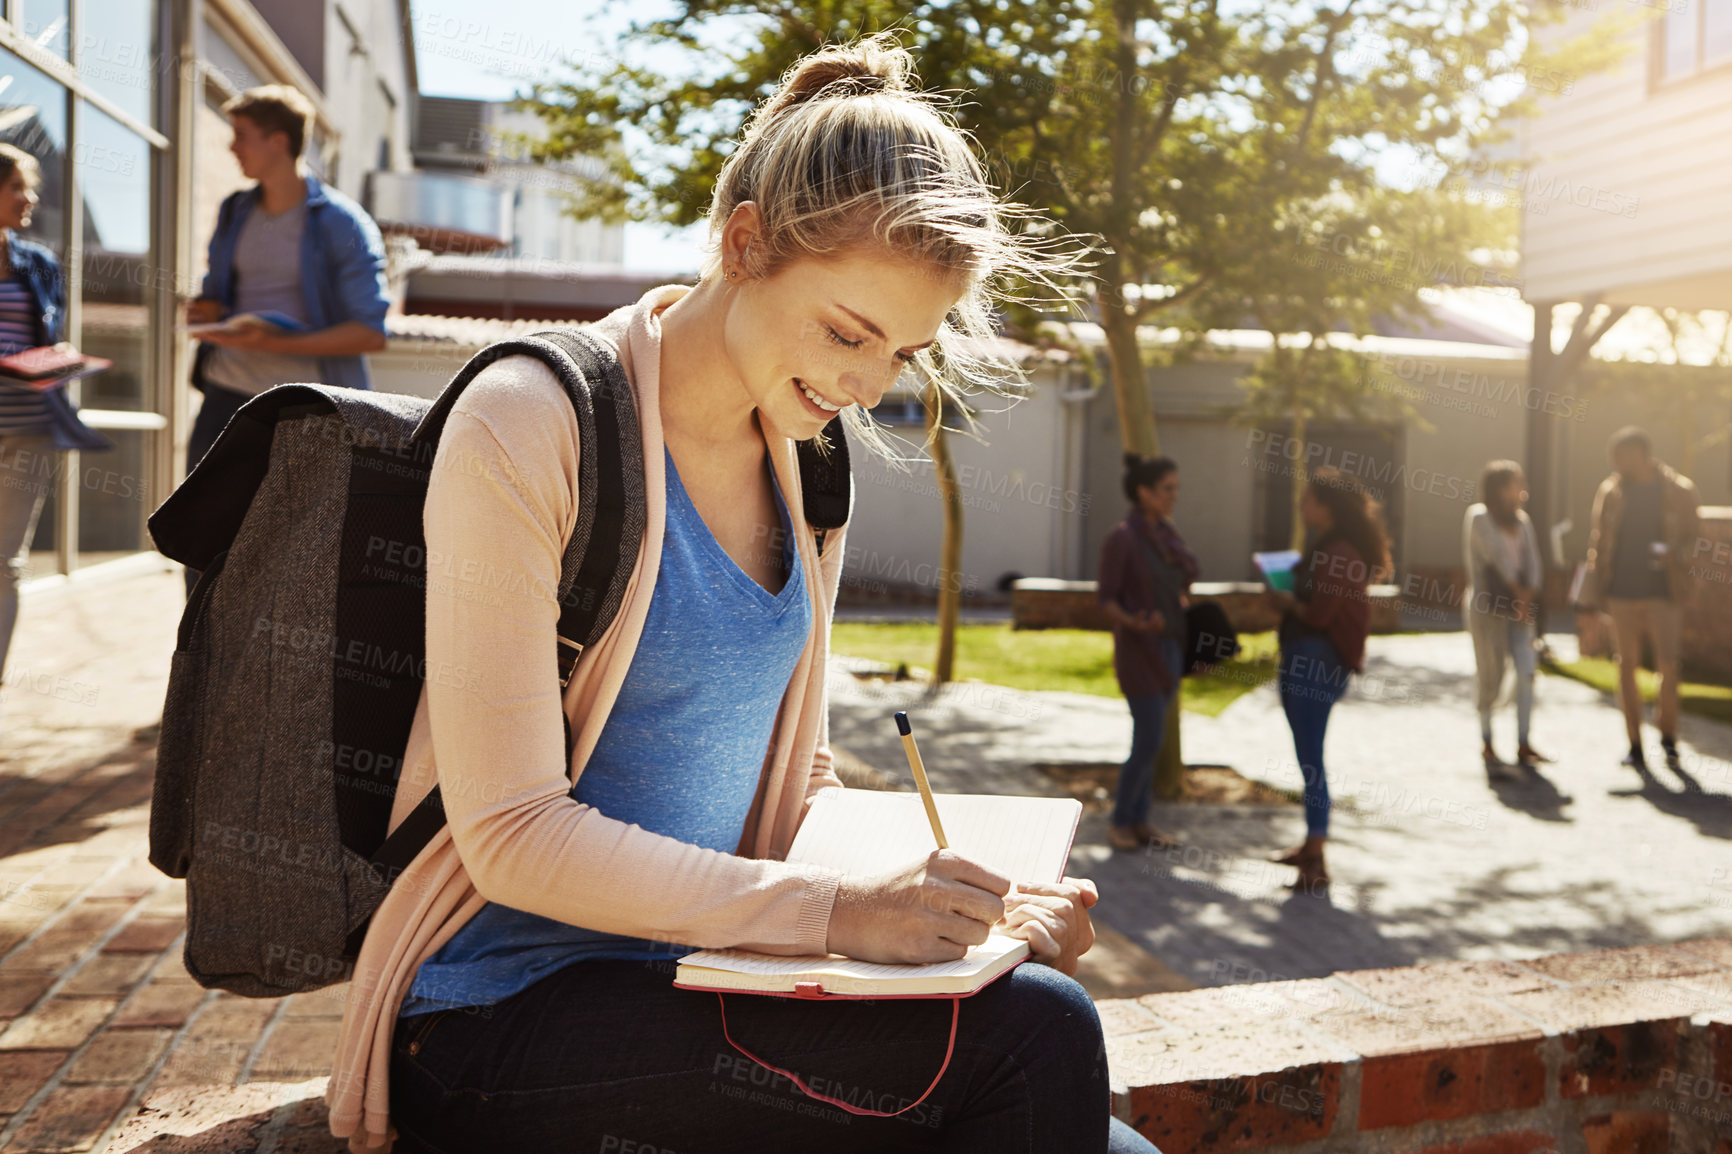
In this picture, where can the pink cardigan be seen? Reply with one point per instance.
(501, 504)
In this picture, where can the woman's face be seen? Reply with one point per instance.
(1315, 513)
(819, 335)
(17, 201)
(1161, 498)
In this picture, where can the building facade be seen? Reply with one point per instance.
(1623, 189)
(120, 102)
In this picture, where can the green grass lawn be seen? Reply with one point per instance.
(1711, 701)
(1075, 660)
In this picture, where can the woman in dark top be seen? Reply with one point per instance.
(1146, 569)
(1323, 629)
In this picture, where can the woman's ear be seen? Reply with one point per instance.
(744, 227)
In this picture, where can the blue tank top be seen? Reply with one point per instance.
(680, 755)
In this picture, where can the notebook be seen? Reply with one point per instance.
(867, 831)
(46, 366)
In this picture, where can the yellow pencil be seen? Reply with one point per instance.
(919, 768)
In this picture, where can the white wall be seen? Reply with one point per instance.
(358, 76)
(1629, 183)
(1015, 499)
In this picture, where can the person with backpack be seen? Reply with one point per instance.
(298, 268)
(36, 424)
(513, 989)
(1501, 554)
(1324, 623)
(1146, 569)
(1644, 534)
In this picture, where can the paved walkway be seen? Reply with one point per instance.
(1432, 861)
(106, 1044)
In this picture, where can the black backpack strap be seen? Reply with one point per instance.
(598, 559)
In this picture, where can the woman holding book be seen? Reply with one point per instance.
(1146, 570)
(35, 423)
(1322, 637)
(514, 988)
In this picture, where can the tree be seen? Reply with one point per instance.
(950, 551)
(1691, 388)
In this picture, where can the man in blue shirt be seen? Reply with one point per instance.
(292, 248)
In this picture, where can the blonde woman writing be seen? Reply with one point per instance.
(513, 994)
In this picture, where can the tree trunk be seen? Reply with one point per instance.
(1170, 765)
(1296, 536)
(1130, 382)
(950, 551)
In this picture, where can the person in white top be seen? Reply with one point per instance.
(1501, 553)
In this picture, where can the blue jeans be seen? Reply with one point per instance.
(604, 1054)
(1312, 681)
(1148, 733)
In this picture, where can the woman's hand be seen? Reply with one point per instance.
(1053, 918)
(928, 911)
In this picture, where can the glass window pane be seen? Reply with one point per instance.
(112, 168)
(44, 22)
(113, 497)
(118, 55)
(1716, 31)
(1679, 44)
(33, 117)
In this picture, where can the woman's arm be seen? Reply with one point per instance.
(495, 524)
(1485, 549)
(1110, 586)
(1336, 596)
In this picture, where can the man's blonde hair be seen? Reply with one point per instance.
(849, 154)
(276, 108)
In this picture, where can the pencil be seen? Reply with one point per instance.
(919, 768)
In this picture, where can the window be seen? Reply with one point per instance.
(111, 169)
(44, 23)
(118, 55)
(1696, 35)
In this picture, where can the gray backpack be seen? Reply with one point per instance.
(301, 652)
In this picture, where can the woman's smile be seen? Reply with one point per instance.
(816, 402)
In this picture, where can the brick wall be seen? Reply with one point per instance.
(1611, 1052)
(1708, 631)
(1039, 603)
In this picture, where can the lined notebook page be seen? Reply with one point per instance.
(864, 831)
(974, 962)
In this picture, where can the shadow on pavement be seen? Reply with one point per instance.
(1533, 794)
(1217, 913)
(1711, 813)
(35, 808)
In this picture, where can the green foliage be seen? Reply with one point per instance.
(1187, 137)
(1071, 660)
(1704, 700)
(1691, 390)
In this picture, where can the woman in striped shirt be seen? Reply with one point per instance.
(34, 423)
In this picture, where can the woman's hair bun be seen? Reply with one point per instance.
(876, 63)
